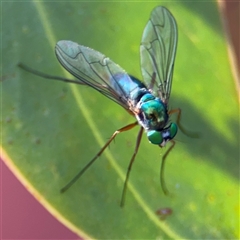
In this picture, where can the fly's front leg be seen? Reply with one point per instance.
(186, 132)
(162, 181)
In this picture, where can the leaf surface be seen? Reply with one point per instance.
(50, 130)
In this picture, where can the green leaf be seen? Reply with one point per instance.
(50, 130)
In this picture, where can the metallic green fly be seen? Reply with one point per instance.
(148, 101)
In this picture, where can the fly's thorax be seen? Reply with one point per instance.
(152, 113)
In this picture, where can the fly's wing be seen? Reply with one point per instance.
(95, 70)
(158, 50)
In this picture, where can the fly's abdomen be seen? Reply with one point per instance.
(131, 87)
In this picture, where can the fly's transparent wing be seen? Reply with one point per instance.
(158, 50)
(95, 70)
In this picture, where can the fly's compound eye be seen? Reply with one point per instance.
(161, 137)
(155, 137)
(173, 130)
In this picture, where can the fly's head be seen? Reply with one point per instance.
(153, 117)
(161, 137)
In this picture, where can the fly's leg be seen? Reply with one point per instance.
(130, 166)
(126, 128)
(47, 76)
(186, 132)
(163, 184)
